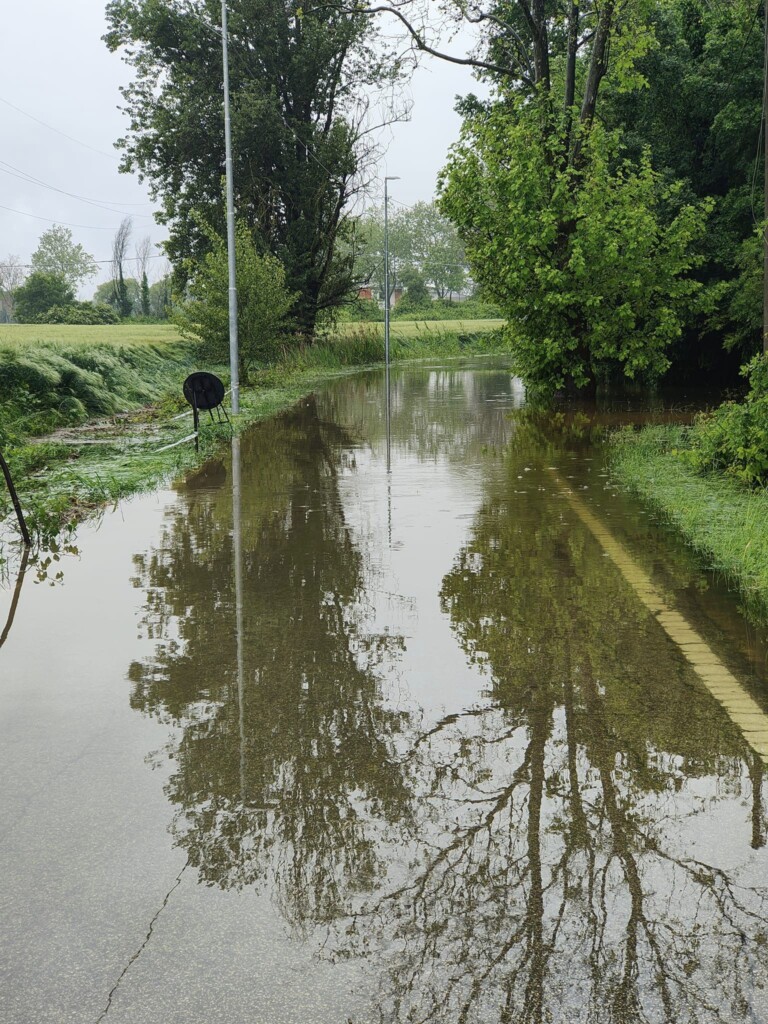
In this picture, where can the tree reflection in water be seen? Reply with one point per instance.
(294, 782)
(532, 858)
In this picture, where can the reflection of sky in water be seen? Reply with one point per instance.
(453, 770)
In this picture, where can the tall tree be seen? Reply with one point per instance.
(299, 126)
(58, 254)
(121, 300)
(546, 61)
(12, 274)
(143, 256)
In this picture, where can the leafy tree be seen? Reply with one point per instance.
(263, 304)
(121, 300)
(143, 256)
(57, 254)
(297, 75)
(593, 282)
(160, 298)
(699, 109)
(433, 248)
(423, 244)
(105, 293)
(39, 293)
(12, 275)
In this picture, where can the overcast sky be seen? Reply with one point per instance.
(59, 118)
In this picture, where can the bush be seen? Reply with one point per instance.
(85, 313)
(39, 293)
(733, 439)
(263, 305)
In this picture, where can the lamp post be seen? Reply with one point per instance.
(386, 306)
(233, 346)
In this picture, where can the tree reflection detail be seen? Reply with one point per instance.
(537, 856)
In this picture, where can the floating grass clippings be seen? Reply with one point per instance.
(86, 409)
(726, 523)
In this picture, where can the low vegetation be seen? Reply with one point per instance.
(717, 513)
(87, 410)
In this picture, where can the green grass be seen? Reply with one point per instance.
(723, 521)
(413, 328)
(26, 335)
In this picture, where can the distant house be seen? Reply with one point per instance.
(365, 293)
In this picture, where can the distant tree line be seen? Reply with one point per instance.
(44, 291)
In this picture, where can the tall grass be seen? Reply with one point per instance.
(724, 522)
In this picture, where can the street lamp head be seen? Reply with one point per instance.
(392, 177)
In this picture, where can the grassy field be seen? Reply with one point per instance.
(24, 335)
(413, 328)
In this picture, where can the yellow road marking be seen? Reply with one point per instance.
(745, 713)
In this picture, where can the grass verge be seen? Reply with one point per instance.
(91, 407)
(719, 518)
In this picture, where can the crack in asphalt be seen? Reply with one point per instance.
(143, 946)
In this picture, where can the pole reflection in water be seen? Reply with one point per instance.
(237, 558)
(576, 839)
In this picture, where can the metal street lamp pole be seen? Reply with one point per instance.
(386, 306)
(233, 346)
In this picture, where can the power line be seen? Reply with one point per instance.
(16, 172)
(50, 127)
(63, 223)
(126, 259)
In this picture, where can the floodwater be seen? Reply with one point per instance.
(301, 740)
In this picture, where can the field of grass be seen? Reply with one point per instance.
(25, 335)
(726, 523)
(412, 328)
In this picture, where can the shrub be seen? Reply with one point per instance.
(85, 313)
(263, 305)
(734, 438)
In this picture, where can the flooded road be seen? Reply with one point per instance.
(303, 741)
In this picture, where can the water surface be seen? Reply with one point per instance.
(303, 740)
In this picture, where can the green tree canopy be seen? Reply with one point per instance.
(39, 293)
(58, 254)
(263, 304)
(593, 281)
(297, 75)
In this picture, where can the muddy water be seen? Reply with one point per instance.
(300, 740)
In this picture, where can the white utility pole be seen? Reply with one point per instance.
(233, 347)
(386, 305)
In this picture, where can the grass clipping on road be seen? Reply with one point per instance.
(719, 518)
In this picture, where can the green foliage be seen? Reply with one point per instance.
(716, 514)
(86, 313)
(594, 280)
(700, 113)
(263, 305)
(298, 142)
(108, 294)
(361, 311)
(39, 293)
(733, 440)
(57, 254)
(423, 245)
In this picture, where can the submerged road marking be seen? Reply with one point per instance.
(745, 713)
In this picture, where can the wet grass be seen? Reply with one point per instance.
(723, 521)
(91, 407)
